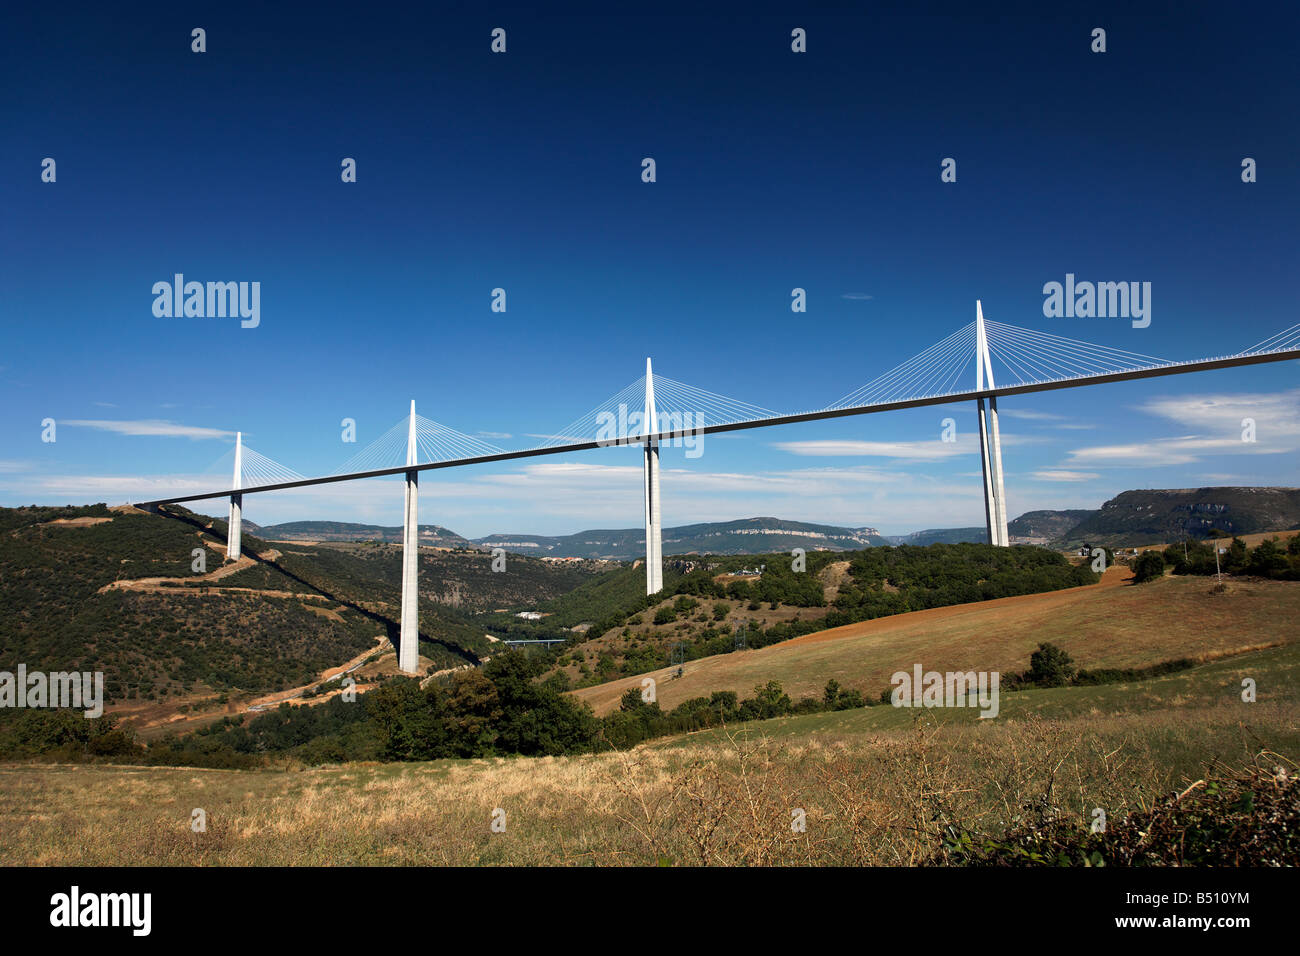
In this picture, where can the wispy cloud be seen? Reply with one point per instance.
(496, 435)
(857, 296)
(1061, 475)
(564, 497)
(1221, 429)
(151, 427)
(932, 450)
(1030, 415)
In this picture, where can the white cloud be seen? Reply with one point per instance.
(1060, 475)
(564, 497)
(1277, 414)
(149, 427)
(857, 296)
(1029, 414)
(1218, 420)
(966, 443)
(931, 450)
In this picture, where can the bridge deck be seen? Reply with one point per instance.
(1157, 371)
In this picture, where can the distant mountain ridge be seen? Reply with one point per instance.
(1133, 517)
(941, 536)
(1046, 526)
(743, 536)
(430, 534)
(1164, 515)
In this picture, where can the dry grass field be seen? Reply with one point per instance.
(1112, 624)
(875, 799)
(875, 785)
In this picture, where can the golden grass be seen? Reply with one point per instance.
(1099, 626)
(868, 798)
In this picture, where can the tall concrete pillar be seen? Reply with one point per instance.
(654, 545)
(408, 655)
(233, 525)
(999, 489)
(995, 507)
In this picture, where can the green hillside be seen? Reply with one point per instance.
(1158, 516)
(276, 623)
(714, 610)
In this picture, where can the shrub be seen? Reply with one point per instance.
(1148, 567)
(1049, 666)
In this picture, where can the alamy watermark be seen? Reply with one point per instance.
(680, 429)
(1098, 300)
(36, 689)
(213, 300)
(129, 910)
(953, 689)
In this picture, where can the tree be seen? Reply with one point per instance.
(832, 692)
(769, 700)
(1148, 567)
(633, 703)
(1236, 556)
(1268, 560)
(1049, 666)
(410, 729)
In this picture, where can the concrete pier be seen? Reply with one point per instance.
(409, 645)
(995, 506)
(654, 545)
(234, 527)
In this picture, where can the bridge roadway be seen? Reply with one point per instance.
(1156, 371)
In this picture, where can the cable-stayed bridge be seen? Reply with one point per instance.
(1000, 359)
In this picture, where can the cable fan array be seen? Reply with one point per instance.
(256, 469)
(936, 371)
(1017, 357)
(678, 407)
(1282, 341)
(434, 443)
(1029, 357)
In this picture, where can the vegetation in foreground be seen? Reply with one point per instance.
(1021, 791)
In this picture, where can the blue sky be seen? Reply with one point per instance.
(522, 171)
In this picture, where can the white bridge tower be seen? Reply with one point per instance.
(233, 526)
(995, 506)
(408, 654)
(654, 545)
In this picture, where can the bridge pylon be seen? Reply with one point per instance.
(995, 507)
(654, 544)
(235, 522)
(408, 654)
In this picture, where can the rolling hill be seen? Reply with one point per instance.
(1145, 516)
(743, 536)
(149, 600)
(430, 534)
(1111, 624)
(1161, 516)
